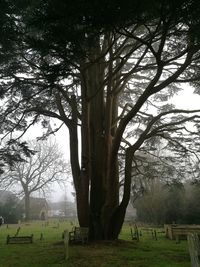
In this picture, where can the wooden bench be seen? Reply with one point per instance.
(181, 234)
(19, 239)
(79, 235)
(178, 232)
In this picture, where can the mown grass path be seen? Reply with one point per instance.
(122, 253)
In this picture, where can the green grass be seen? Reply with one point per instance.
(123, 253)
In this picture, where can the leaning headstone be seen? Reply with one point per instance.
(1, 221)
(18, 229)
(194, 249)
(66, 243)
(41, 236)
(154, 234)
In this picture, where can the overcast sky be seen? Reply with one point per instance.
(186, 99)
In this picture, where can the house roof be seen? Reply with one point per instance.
(60, 204)
(37, 204)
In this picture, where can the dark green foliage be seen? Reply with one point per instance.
(11, 210)
(191, 212)
(175, 203)
(13, 151)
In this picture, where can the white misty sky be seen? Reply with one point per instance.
(186, 99)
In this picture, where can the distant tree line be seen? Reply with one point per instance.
(169, 203)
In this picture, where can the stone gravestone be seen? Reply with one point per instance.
(194, 249)
(66, 243)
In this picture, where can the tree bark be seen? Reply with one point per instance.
(80, 180)
(99, 114)
(27, 205)
(97, 156)
(117, 219)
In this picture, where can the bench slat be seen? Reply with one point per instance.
(80, 234)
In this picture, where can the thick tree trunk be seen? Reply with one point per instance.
(99, 161)
(99, 113)
(117, 219)
(97, 155)
(80, 180)
(27, 205)
(80, 175)
(82, 201)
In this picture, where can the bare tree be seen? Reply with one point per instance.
(37, 172)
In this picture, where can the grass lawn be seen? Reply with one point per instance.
(123, 253)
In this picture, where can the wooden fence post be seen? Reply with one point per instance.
(66, 244)
(193, 244)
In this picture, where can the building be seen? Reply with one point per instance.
(39, 208)
(63, 209)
